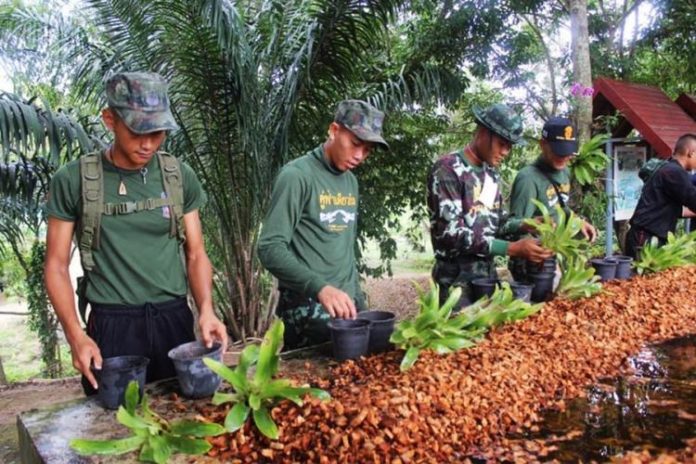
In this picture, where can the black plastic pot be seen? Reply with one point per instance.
(195, 379)
(350, 338)
(623, 267)
(543, 286)
(547, 265)
(115, 375)
(381, 328)
(522, 291)
(481, 287)
(605, 268)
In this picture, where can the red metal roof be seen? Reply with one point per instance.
(647, 109)
(688, 104)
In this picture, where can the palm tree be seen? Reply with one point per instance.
(34, 141)
(252, 83)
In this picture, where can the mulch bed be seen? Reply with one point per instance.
(450, 407)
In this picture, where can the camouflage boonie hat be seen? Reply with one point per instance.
(140, 99)
(501, 120)
(362, 119)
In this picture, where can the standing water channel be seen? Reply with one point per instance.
(653, 408)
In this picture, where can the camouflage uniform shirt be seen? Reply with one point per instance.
(465, 210)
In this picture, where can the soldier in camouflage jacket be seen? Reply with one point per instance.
(465, 204)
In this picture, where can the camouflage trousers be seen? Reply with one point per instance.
(306, 320)
(448, 274)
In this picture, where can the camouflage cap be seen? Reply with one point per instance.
(362, 119)
(501, 120)
(140, 99)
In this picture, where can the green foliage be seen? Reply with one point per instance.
(561, 235)
(156, 438)
(679, 250)
(434, 328)
(257, 395)
(590, 161)
(500, 308)
(578, 281)
(42, 318)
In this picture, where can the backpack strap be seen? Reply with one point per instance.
(172, 178)
(554, 185)
(92, 190)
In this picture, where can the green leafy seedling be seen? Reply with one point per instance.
(679, 250)
(258, 394)
(562, 235)
(156, 438)
(578, 281)
(432, 328)
(500, 308)
(435, 328)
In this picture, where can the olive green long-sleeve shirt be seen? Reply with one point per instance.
(534, 182)
(308, 236)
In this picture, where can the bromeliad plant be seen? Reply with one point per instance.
(155, 437)
(560, 235)
(257, 395)
(433, 328)
(678, 251)
(578, 281)
(500, 308)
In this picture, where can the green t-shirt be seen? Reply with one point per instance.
(536, 181)
(309, 233)
(137, 262)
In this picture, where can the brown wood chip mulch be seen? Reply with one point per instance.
(449, 407)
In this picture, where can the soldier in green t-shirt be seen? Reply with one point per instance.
(309, 233)
(136, 282)
(547, 180)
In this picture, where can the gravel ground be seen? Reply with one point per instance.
(448, 408)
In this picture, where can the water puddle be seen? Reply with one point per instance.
(653, 410)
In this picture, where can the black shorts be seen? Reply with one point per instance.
(149, 330)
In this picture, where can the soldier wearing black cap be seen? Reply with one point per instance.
(547, 180)
(467, 219)
(309, 233)
(128, 207)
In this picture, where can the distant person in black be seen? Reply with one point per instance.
(667, 195)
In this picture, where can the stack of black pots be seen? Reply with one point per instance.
(368, 334)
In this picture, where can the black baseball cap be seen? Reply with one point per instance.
(561, 135)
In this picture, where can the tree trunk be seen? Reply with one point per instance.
(582, 70)
(3, 378)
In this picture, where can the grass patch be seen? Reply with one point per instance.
(21, 351)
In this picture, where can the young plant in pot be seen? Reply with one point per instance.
(563, 236)
(257, 395)
(156, 438)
